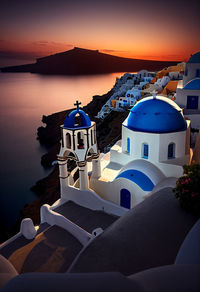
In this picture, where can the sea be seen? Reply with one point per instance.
(24, 99)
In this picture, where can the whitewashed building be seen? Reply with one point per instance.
(130, 98)
(188, 91)
(155, 145)
(161, 83)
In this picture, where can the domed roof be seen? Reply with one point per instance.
(139, 178)
(77, 119)
(156, 115)
(193, 84)
(195, 58)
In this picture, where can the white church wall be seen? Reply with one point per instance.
(89, 143)
(137, 139)
(172, 170)
(190, 72)
(91, 200)
(111, 190)
(178, 138)
(181, 96)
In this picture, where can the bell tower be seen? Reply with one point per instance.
(78, 142)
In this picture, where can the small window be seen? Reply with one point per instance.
(171, 150)
(68, 140)
(186, 71)
(128, 145)
(80, 140)
(145, 152)
(198, 73)
(192, 102)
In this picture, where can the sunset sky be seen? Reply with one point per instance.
(162, 30)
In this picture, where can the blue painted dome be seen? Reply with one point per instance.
(193, 84)
(139, 178)
(195, 58)
(156, 115)
(83, 120)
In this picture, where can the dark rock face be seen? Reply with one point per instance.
(107, 131)
(81, 61)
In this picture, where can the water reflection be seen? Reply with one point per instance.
(24, 98)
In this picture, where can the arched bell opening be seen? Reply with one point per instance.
(78, 120)
(80, 140)
(68, 141)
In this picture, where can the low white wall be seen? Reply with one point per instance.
(53, 218)
(89, 199)
(5, 243)
(173, 170)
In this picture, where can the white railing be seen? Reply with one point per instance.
(53, 218)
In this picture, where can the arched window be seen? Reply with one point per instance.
(68, 140)
(171, 150)
(145, 151)
(80, 140)
(128, 145)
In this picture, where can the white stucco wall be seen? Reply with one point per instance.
(181, 95)
(178, 138)
(158, 150)
(90, 199)
(143, 73)
(191, 69)
(111, 190)
(137, 139)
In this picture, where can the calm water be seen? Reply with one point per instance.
(24, 98)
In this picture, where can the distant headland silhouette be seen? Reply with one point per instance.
(79, 61)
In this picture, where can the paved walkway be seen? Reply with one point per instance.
(52, 251)
(86, 218)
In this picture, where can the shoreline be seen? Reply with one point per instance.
(47, 189)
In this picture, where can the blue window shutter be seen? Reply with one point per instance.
(128, 145)
(145, 150)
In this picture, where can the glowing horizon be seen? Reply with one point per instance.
(147, 30)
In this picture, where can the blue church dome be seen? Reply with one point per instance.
(156, 115)
(195, 58)
(193, 84)
(83, 120)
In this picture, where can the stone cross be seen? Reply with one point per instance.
(77, 105)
